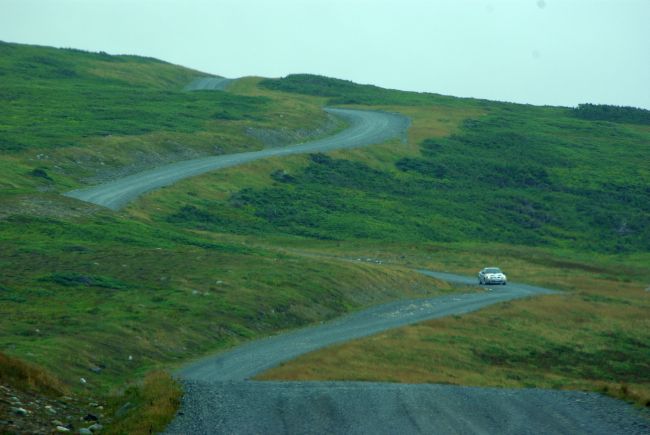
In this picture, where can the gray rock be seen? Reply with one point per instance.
(19, 411)
(84, 431)
(15, 401)
(123, 410)
(62, 429)
(96, 427)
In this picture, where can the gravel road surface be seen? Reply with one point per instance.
(366, 128)
(219, 398)
(384, 408)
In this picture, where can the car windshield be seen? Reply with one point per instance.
(492, 270)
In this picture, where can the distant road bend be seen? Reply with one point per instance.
(366, 128)
(220, 398)
(208, 84)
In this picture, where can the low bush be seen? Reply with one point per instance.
(605, 112)
(71, 279)
(347, 92)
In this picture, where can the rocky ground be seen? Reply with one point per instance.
(28, 413)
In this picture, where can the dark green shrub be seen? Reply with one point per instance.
(605, 112)
(40, 173)
(72, 279)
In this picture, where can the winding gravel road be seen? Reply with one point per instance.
(250, 359)
(220, 398)
(366, 128)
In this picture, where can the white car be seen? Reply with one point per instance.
(492, 275)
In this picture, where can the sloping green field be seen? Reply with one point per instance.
(556, 196)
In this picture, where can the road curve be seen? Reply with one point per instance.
(253, 358)
(208, 84)
(366, 128)
(220, 398)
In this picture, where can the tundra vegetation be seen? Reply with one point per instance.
(555, 196)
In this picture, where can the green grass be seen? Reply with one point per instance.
(64, 116)
(39, 65)
(603, 112)
(91, 291)
(147, 407)
(71, 116)
(338, 91)
(54, 98)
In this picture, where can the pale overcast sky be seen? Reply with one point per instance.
(559, 52)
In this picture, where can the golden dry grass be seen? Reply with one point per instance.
(156, 402)
(28, 377)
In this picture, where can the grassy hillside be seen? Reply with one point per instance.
(554, 198)
(93, 291)
(72, 117)
(89, 293)
(514, 174)
(54, 98)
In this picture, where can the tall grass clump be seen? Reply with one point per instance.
(28, 377)
(151, 406)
